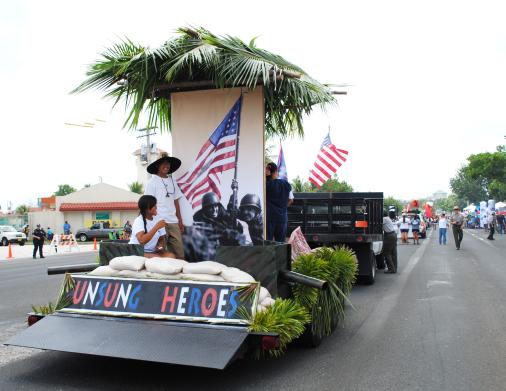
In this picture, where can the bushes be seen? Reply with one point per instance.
(337, 266)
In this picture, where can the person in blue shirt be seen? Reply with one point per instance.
(66, 228)
(277, 193)
(415, 228)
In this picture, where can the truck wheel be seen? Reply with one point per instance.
(380, 261)
(369, 279)
(5, 242)
(83, 237)
(22, 243)
(309, 339)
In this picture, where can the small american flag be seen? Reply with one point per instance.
(327, 162)
(217, 155)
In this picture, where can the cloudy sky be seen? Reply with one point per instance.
(427, 86)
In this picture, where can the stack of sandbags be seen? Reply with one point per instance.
(203, 271)
(264, 299)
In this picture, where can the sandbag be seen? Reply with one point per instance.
(205, 267)
(132, 262)
(159, 276)
(264, 294)
(175, 261)
(201, 277)
(267, 302)
(104, 271)
(162, 266)
(232, 274)
(261, 308)
(133, 274)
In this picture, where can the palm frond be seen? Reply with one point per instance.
(148, 76)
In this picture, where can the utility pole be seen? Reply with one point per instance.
(147, 134)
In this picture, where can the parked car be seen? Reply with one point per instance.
(97, 230)
(9, 234)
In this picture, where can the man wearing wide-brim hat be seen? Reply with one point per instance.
(167, 193)
(457, 222)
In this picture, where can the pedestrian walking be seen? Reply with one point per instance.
(456, 220)
(167, 193)
(415, 229)
(38, 236)
(389, 244)
(443, 227)
(66, 228)
(404, 223)
(492, 221)
(500, 223)
(277, 192)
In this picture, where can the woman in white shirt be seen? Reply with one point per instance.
(404, 223)
(443, 225)
(148, 230)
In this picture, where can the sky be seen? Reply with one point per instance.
(426, 86)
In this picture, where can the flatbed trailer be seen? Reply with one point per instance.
(201, 344)
(353, 219)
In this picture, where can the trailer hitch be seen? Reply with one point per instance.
(302, 279)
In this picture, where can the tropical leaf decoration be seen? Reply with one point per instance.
(285, 317)
(336, 266)
(143, 78)
(64, 299)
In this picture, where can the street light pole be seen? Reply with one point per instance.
(148, 146)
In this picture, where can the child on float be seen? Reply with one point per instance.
(148, 230)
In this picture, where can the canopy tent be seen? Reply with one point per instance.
(500, 205)
(196, 59)
(470, 208)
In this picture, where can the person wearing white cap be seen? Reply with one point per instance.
(492, 221)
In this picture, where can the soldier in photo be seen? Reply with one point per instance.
(250, 211)
(214, 215)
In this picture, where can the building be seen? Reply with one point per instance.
(100, 202)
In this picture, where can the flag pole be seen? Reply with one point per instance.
(235, 184)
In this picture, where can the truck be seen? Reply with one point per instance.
(9, 234)
(98, 230)
(353, 219)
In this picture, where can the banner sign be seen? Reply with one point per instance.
(216, 302)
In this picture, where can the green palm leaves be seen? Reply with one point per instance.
(144, 78)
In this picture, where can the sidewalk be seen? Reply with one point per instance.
(26, 251)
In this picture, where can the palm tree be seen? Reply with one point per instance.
(197, 59)
(136, 187)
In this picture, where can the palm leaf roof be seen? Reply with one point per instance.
(197, 59)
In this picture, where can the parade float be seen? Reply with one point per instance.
(235, 293)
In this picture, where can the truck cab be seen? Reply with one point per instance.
(98, 230)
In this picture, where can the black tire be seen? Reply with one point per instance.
(309, 339)
(83, 237)
(5, 242)
(369, 279)
(22, 243)
(380, 261)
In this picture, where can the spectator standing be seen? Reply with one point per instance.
(277, 193)
(167, 193)
(443, 227)
(389, 244)
(457, 220)
(492, 221)
(404, 223)
(415, 228)
(500, 223)
(66, 228)
(38, 236)
(50, 233)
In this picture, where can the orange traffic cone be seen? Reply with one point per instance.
(9, 256)
(94, 244)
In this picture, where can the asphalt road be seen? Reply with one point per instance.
(439, 324)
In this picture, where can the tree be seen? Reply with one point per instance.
(64, 190)
(447, 204)
(22, 209)
(490, 170)
(391, 201)
(333, 185)
(467, 188)
(136, 187)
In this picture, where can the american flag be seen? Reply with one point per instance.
(216, 156)
(327, 162)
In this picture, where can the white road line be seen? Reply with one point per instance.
(486, 241)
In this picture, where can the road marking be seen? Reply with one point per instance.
(432, 283)
(480, 238)
(374, 323)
